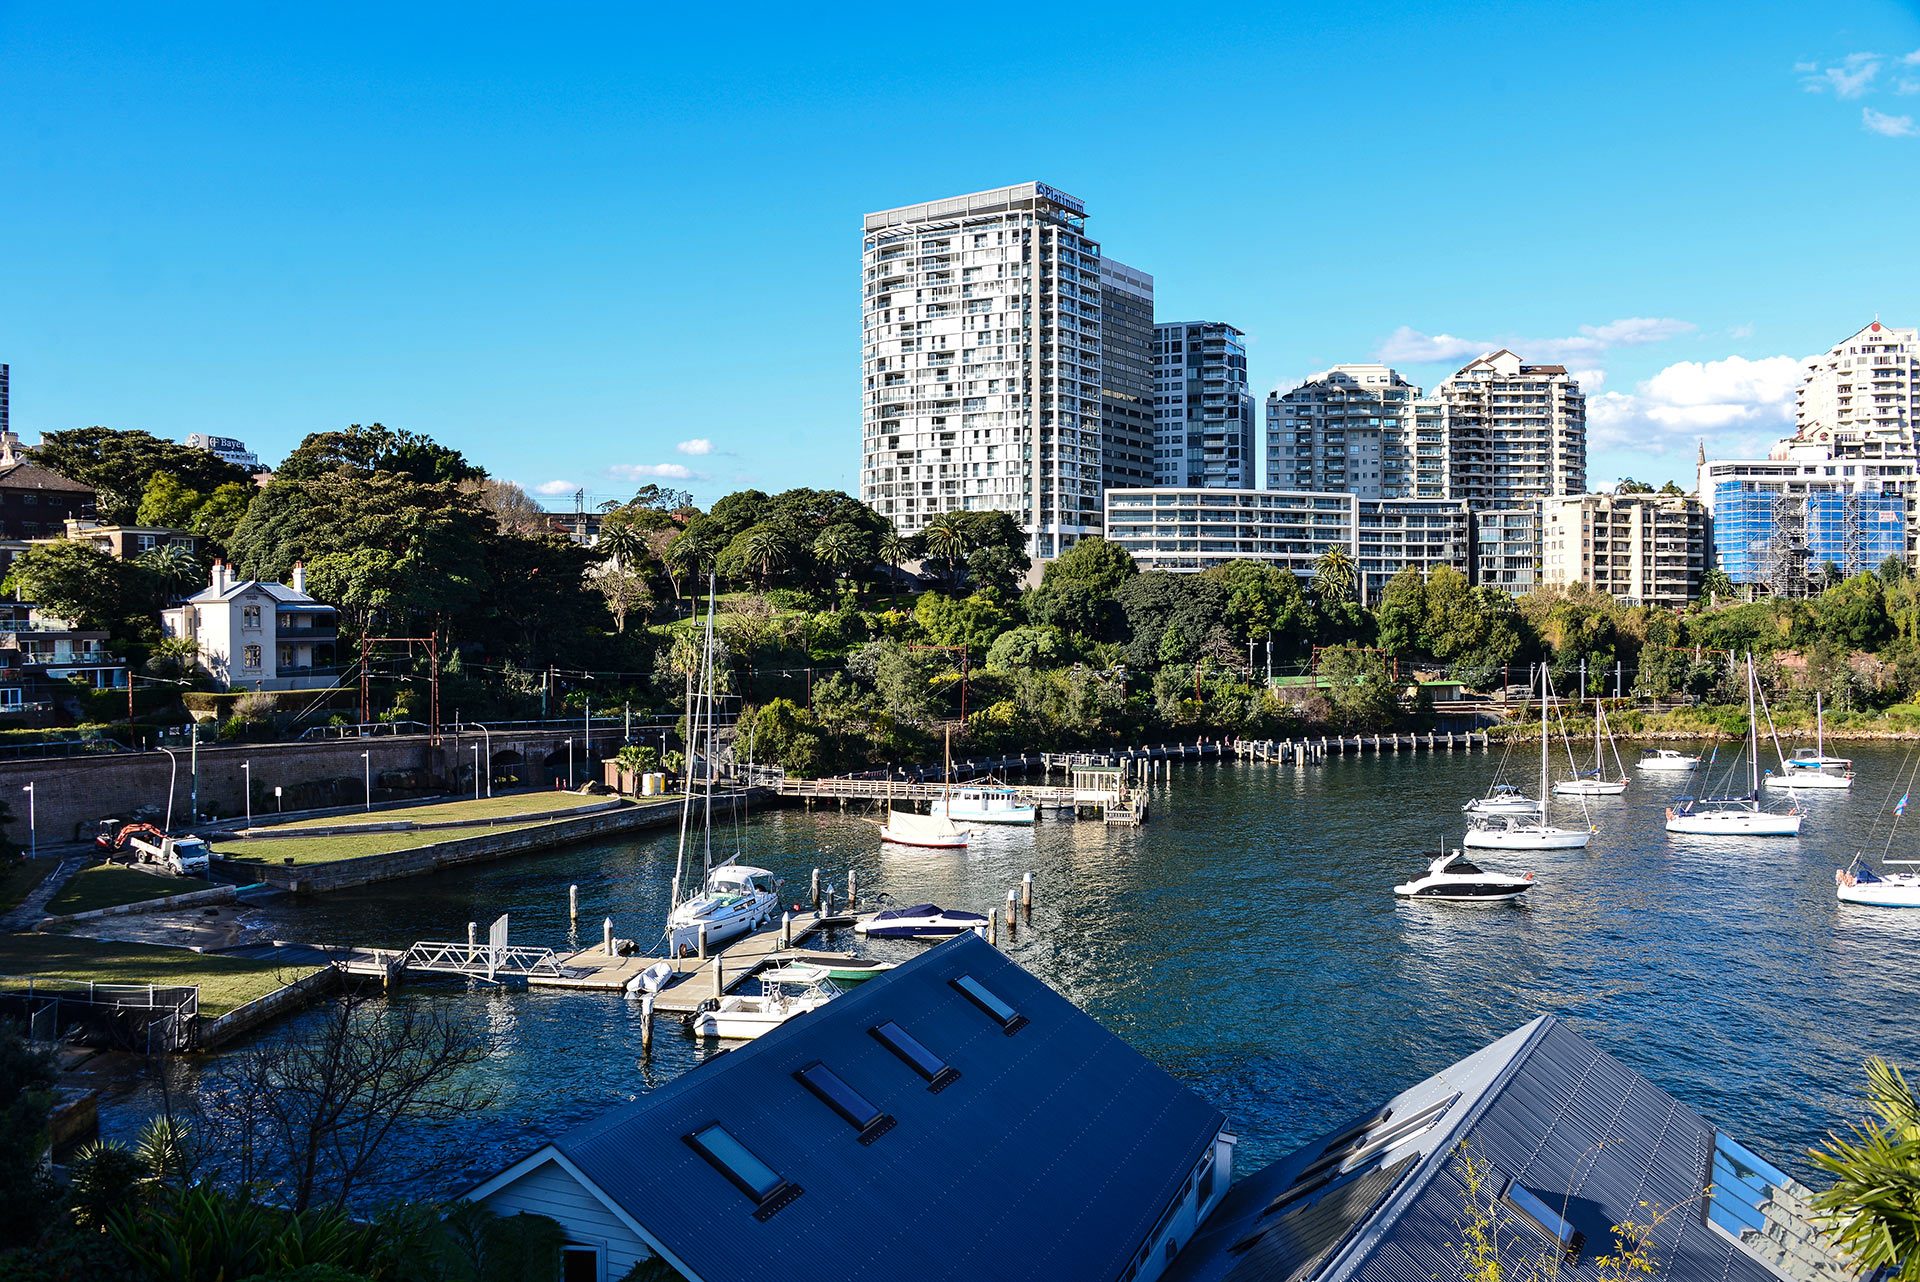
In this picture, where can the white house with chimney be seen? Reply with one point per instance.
(255, 635)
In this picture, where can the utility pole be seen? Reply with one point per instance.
(193, 762)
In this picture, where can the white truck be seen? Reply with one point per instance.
(185, 856)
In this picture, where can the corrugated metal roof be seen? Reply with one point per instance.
(1052, 1155)
(1586, 1135)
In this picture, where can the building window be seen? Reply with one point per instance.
(11, 698)
(286, 656)
(743, 1170)
(853, 1107)
(249, 616)
(579, 1264)
(1002, 1014)
(30, 499)
(250, 657)
(938, 1073)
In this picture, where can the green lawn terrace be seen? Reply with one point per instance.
(225, 983)
(331, 838)
(107, 886)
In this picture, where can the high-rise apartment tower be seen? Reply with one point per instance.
(1126, 376)
(981, 363)
(1203, 413)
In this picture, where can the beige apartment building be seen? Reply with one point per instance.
(1644, 549)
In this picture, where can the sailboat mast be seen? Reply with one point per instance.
(1545, 690)
(686, 801)
(707, 681)
(1819, 727)
(1753, 729)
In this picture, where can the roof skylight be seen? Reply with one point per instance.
(917, 1057)
(851, 1105)
(980, 995)
(743, 1170)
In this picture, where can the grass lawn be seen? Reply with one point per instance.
(225, 982)
(326, 850)
(504, 807)
(105, 887)
(17, 883)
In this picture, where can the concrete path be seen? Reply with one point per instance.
(34, 906)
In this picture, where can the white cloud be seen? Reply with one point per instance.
(1741, 331)
(1906, 86)
(1850, 78)
(1879, 122)
(552, 488)
(1745, 404)
(1635, 330)
(1410, 345)
(1590, 380)
(698, 445)
(654, 471)
(1910, 59)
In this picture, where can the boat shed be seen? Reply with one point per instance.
(952, 1118)
(1565, 1143)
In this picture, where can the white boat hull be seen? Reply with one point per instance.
(1670, 765)
(1589, 787)
(1734, 824)
(1806, 782)
(1502, 808)
(748, 1017)
(1531, 837)
(925, 842)
(1897, 890)
(1443, 894)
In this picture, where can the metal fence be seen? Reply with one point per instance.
(125, 1017)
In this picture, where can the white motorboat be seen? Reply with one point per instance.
(736, 899)
(1735, 816)
(933, 832)
(1813, 770)
(742, 1016)
(1596, 782)
(1451, 876)
(922, 921)
(1502, 799)
(1666, 759)
(982, 804)
(1860, 884)
(1513, 832)
(1517, 831)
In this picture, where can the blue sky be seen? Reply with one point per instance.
(570, 242)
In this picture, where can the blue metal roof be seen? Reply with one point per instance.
(1587, 1136)
(1052, 1155)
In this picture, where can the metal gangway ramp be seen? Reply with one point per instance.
(490, 961)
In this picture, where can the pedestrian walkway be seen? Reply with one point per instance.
(34, 906)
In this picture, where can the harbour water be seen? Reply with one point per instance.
(1248, 941)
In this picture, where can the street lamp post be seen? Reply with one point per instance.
(33, 840)
(193, 771)
(246, 777)
(476, 772)
(367, 762)
(569, 763)
(173, 773)
(487, 735)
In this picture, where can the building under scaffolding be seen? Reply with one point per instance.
(1784, 538)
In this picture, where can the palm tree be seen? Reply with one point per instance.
(894, 550)
(766, 546)
(1333, 575)
(621, 542)
(947, 540)
(172, 563)
(1875, 1198)
(838, 549)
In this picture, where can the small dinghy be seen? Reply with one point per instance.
(1860, 884)
(741, 1016)
(1451, 876)
(651, 980)
(932, 832)
(922, 921)
(841, 970)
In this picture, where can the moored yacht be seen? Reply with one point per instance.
(1735, 816)
(1667, 759)
(921, 921)
(1596, 782)
(983, 804)
(1515, 832)
(735, 899)
(1451, 876)
(933, 832)
(1814, 769)
(1502, 799)
(1860, 884)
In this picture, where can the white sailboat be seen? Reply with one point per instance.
(1596, 782)
(1858, 883)
(1735, 816)
(1516, 832)
(733, 898)
(1814, 769)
